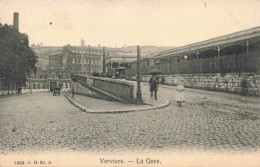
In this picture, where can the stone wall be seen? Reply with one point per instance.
(84, 90)
(238, 83)
(105, 88)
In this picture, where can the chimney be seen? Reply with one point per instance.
(16, 21)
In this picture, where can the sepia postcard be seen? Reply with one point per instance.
(101, 83)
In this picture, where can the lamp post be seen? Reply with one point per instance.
(104, 61)
(138, 92)
(89, 60)
(73, 79)
(61, 61)
(31, 86)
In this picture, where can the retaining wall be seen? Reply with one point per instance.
(110, 89)
(238, 83)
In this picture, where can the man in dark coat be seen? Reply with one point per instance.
(154, 82)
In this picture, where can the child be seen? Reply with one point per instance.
(179, 97)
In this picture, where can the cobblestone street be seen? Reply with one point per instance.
(207, 121)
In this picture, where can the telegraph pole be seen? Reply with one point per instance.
(89, 60)
(104, 61)
(138, 92)
(73, 80)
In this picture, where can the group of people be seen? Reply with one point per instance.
(154, 83)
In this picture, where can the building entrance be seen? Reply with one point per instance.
(53, 85)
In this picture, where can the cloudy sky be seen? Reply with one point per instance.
(137, 22)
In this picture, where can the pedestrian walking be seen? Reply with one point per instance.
(179, 97)
(154, 83)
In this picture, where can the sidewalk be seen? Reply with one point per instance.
(24, 93)
(238, 97)
(7, 97)
(93, 105)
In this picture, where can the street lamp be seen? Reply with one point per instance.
(138, 92)
(61, 62)
(89, 60)
(31, 86)
(73, 80)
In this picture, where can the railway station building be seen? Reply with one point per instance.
(229, 63)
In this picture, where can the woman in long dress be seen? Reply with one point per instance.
(179, 97)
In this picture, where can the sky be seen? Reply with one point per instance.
(118, 23)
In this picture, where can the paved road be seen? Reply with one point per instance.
(216, 122)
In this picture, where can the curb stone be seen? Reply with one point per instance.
(82, 107)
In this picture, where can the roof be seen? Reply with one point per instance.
(222, 40)
(53, 54)
(84, 50)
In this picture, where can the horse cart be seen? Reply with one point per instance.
(56, 91)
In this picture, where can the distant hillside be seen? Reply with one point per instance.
(145, 50)
(148, 49)
(43, 53)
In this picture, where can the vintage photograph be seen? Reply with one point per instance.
(167, 83)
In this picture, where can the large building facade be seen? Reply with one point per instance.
(65, 63)
(79, 60)
(49, 78)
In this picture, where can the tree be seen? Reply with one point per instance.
(16, 57)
